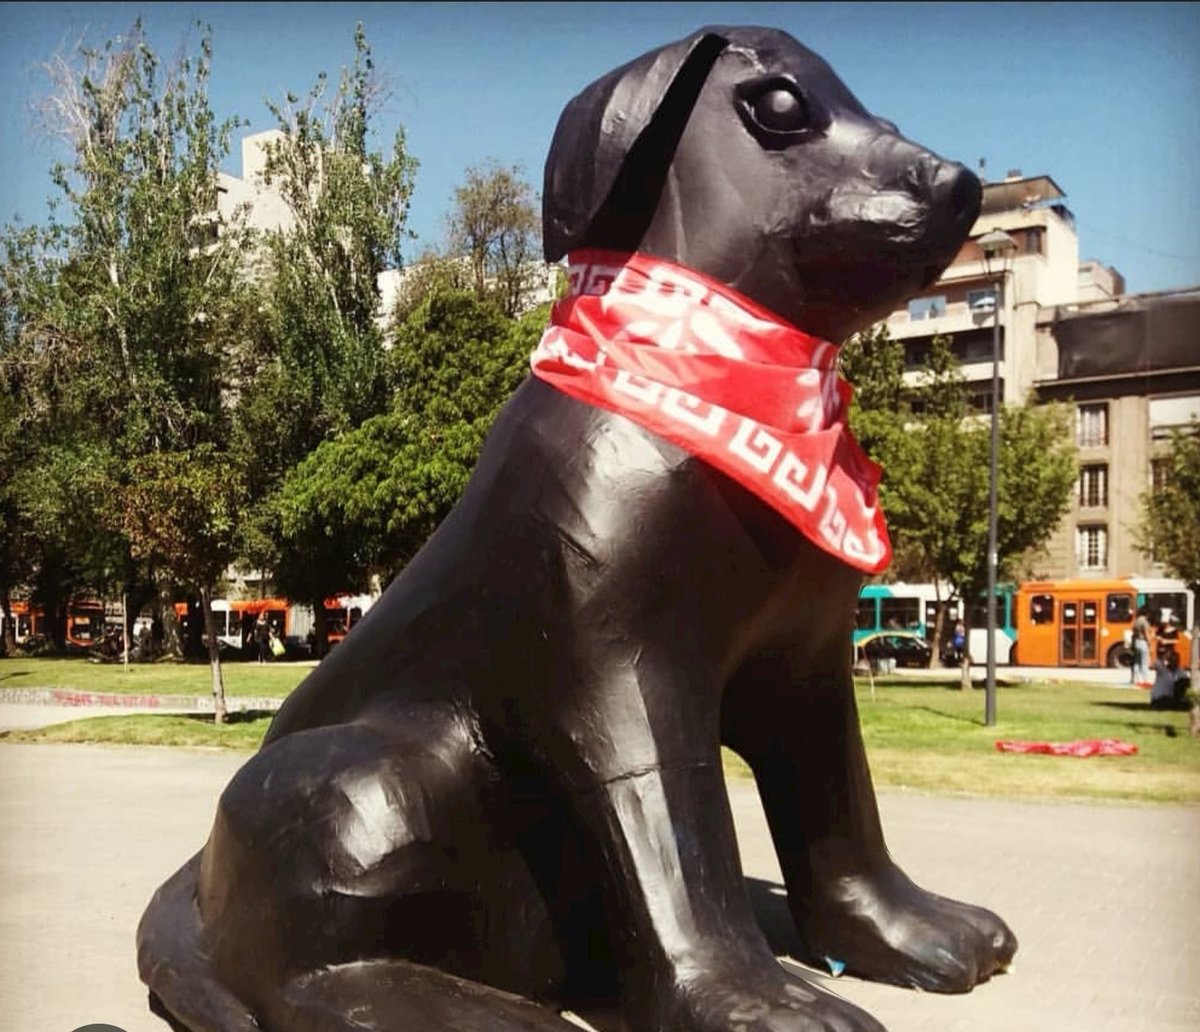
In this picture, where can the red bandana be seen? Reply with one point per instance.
(726, 380)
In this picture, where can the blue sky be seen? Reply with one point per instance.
(1103, 97)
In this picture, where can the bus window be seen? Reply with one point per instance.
(1118, 608)
(865, 620)
(900, 613)
(1041, 609)
(978, 610)
(1087, 633)
(1166, 604)
(1070, 632)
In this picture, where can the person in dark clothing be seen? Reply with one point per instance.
(262, 638)
(1170, 684)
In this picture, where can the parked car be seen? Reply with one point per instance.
(901, 648)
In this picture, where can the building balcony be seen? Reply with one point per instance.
(957, 317)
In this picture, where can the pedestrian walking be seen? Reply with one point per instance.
(262, 638)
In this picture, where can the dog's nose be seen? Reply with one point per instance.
(957, 191)
(950, 190)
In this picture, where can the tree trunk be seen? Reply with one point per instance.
(939, 625)
(214, 657)
(8, 647)
(320, 628)
(55, 609)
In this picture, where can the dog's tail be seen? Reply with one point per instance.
(173, 963)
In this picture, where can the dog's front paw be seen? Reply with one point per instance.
(763, 999)
(885, 928)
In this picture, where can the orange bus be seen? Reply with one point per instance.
(86, 623)
(27, 620)
(292, 622)
(1090, 622)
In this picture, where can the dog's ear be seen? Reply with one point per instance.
(614, 143)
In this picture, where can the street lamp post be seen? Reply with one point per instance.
(998, 248)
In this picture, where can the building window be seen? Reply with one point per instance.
(927, 307)
(1175, 413)
(1091, 546)
(1091, 425)
(1093, 486)
(979, 396)
(1033, 240)
(982, 301)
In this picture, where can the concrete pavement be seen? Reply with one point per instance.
(1104, 899)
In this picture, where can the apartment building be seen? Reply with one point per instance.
(1131, 367)
(1128, 364)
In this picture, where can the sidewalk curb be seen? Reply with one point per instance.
(84, 699)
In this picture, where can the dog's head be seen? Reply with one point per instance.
(739, 153)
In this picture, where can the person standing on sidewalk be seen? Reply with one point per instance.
(1141, 651)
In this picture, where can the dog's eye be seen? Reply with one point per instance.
(780, 110)
(777, 112)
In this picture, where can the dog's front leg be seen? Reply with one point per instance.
(791, 714)
(656, 822)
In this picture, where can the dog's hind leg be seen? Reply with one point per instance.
(345, 865)
(793, 718)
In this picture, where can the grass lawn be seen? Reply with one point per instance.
(268, 680)
(244, 731)
(931, 737)
(922, 736)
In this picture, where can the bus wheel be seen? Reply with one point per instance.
(1119, 656)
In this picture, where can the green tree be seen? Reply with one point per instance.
(496, 225)
(429, 274)
(1168, 532)
(320, 368)
(181, 510)
(46, 449)
(126, 279)
(366, 501)
(15, 547)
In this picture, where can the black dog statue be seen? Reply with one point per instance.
(502, 796)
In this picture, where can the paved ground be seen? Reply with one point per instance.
(1103, 898)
